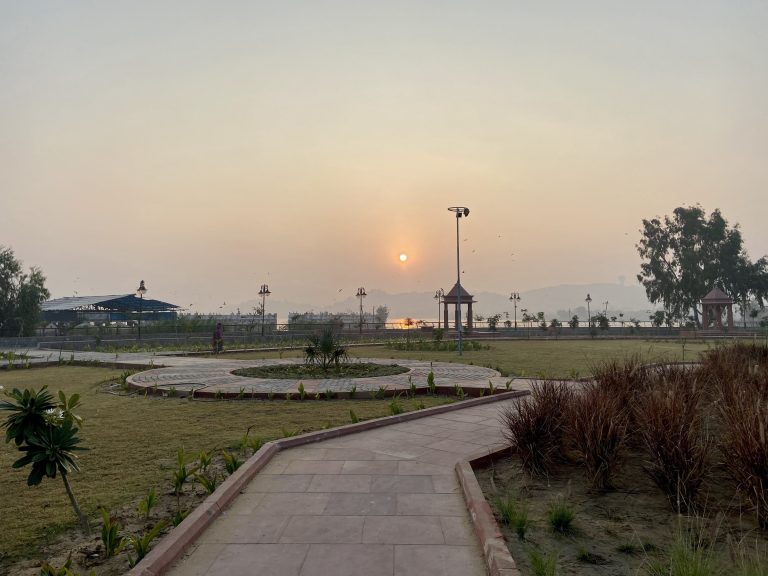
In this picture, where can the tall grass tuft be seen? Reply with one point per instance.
(691, 554)
(741, 375)
(514, 514)
(543, 564)
(561, 515)
(534, 425)
(670, 425)
(597, 431)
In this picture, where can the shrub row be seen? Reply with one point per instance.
(666, 411)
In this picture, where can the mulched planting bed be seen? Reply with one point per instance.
(310, 372)
(626, 531)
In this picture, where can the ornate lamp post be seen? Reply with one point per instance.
(140, 291)
(263, 292)
(588, 299)
(459, 211)
(515, 299)
(439, 297)
(361, 294)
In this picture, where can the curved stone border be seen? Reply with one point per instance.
(214, 379)
(497, 557)
(173, 545)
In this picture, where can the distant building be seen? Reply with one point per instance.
(344, 321)
(75, 310)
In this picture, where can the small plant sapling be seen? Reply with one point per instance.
(431, 382)
(231, 461)
(204, 460)
(302, 392)
(353, 416)
(141, 543)
(207, 482)
(395, 407)
(147, 503)
(178, 518)
(110, 534)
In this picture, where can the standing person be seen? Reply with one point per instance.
(218, 338)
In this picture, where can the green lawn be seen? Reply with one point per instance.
(133, 443)
(556, 358)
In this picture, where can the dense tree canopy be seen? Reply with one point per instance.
(20, 296)
(689, 253)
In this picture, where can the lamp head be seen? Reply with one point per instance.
(460, 211)
(141, 290)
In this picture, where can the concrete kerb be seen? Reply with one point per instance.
(173, 545)
(498, 559)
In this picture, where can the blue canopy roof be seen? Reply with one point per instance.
(122, 303)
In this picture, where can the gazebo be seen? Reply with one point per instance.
(712, 307)
(453, 298)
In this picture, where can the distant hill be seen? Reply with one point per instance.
(552, 300)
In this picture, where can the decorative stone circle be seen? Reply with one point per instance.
(214, 379)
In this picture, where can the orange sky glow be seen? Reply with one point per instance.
(208, 148)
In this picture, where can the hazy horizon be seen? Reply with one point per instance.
(210, 148)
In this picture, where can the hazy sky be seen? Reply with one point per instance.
(208, 147)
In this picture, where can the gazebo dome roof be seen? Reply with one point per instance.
(452, 296)
(716, 296)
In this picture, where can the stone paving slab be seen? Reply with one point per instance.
(377, 502)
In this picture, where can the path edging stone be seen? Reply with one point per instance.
(498, 559)
(174, 544)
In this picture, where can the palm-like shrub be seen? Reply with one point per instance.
(46, 433)
(325, 349)
(28, 413)
(535, 425)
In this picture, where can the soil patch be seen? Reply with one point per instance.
(626, 531)
(310, 372)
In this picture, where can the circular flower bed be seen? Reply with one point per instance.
(312, 372)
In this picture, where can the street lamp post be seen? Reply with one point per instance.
(515, 299)
(361, 294)
(588, 299)
(140, 291)
(263, 292)
(439, 297)
(459, 211)
(525, 320)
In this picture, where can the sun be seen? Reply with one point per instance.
(403, 257)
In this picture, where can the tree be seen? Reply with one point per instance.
(574, 322)
(46, 432)
(382, 313)
(657, 318)
(493, 321)
(20, 296)
(688, 254)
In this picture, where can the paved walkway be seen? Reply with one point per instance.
(382, 502)
(215, 376)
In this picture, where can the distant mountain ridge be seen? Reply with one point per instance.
(552, 300)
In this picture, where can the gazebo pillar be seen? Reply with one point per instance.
(730, 316)
(445, 315)
(469, 316)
